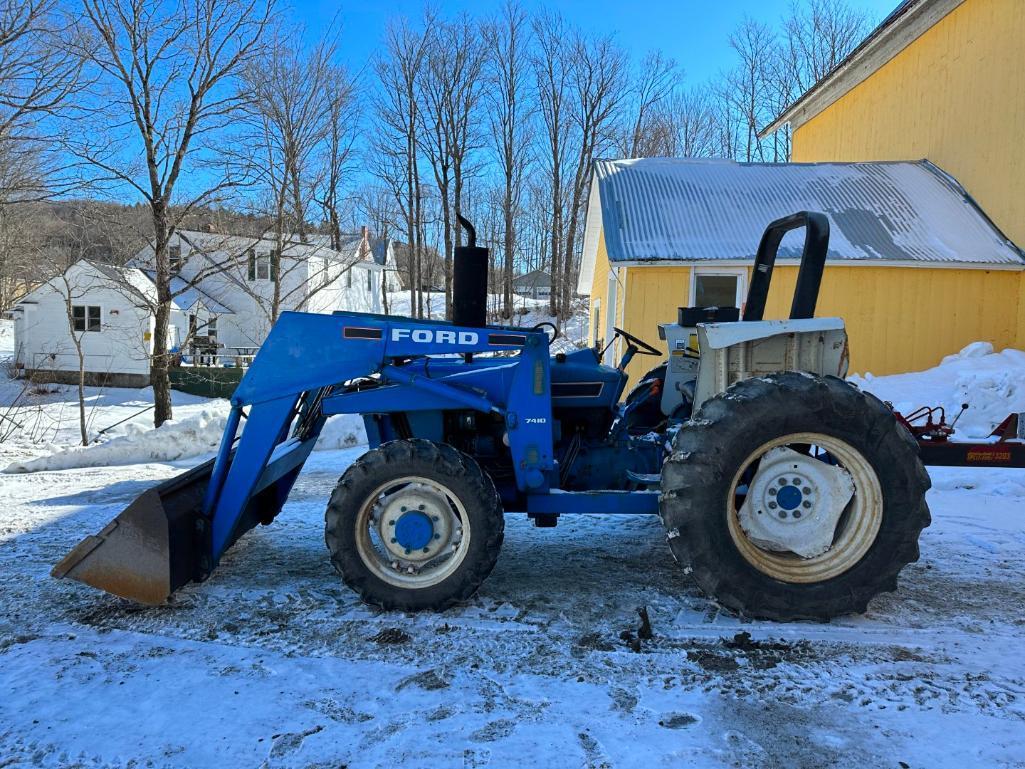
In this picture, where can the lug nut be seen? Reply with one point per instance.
(393, 540)
(782, 513)
(772, 505)
(797, 481)
(421, 507)
(773, 490)
(437, 536)
(434, 518)
(806, 490)
(427, 550)
(797, 513)
(391, 523)
(806, 505)
(408, 551)
(403, 508)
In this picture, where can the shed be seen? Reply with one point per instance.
(536, 284)
(110, 316)
(915, 267)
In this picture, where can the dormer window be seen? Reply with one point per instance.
(174, 258)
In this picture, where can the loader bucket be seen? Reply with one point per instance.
(151, 549)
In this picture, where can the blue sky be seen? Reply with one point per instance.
(694, 32)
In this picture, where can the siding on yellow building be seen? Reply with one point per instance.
(954, 95)
(898, 318)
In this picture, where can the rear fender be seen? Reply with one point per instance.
(731, 352)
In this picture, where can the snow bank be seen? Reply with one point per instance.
(197, 434)
(991, 383)
(193, 436)
(342, 431)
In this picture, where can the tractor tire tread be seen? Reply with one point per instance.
(704, 458)
(477, 493)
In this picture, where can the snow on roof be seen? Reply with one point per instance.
(186, 295)
(134, 279)
(212, 242)
(661, 209)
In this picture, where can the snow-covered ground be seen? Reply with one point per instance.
(274, 663)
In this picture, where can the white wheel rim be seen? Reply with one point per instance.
(390, 557)
(853, 536)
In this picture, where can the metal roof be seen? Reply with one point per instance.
(655, 209)
(187, 294)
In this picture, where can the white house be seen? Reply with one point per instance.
(110, 315)
(238, 273)
(222, 288)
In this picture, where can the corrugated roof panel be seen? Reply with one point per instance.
(696, 210)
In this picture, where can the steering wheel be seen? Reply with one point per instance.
(552, 326)
(642, 347)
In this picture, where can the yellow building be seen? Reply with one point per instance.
(938, 79)
(915, 267)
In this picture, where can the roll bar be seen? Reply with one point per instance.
(809, 276)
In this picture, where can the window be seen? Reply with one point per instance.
(716, 289)
(174, 258)
(259, 265)
(211, 327)
(370, 281)
(86, 317)
(596, 323)
(348, 278)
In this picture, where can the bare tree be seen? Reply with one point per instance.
(342, 127)
(655, 83)
(747, 85)
(295, 113)
(377, 207)
(689, 124)
(510, 114)
(395, 142)
(165, 77)
(450, 85)
(817, 36)
(599, 79)
(552, 78)
(37, 74)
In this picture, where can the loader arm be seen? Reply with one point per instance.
(178, 531)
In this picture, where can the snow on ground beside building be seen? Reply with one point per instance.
(274, 663)
(991, 383)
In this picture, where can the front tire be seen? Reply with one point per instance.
(794, 497)
(414, 525)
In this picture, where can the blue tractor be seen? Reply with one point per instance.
(785, 492)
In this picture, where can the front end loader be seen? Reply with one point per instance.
(786, 492)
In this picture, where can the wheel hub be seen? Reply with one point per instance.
(794, 503)
(415, 524)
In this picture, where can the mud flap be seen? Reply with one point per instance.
(152, 548)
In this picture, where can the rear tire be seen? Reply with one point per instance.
(446, 561)
(717, 454)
